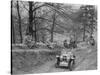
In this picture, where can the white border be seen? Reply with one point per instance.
(5, 36)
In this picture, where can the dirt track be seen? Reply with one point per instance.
(86, 59)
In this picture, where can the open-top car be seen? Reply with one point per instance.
(66, 59)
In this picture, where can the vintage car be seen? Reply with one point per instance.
(66, 60)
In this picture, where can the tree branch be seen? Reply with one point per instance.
(38, 7)
(24, 6)
(44, 19)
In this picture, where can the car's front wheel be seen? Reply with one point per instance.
(71, 65)
(58, 61)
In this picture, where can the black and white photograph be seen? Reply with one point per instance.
(48, 37)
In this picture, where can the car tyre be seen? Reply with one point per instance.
(71, 64)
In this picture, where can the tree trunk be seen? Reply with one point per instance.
(35, 31)
(30, 27)
(12, 26)
(31, 18)
(84, 33)
(52, 28)
(19, 20)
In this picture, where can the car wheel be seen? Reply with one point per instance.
(58, 61)
(71, 64)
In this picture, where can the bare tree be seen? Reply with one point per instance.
(19, 21)
(52, 28)
(30, 18)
